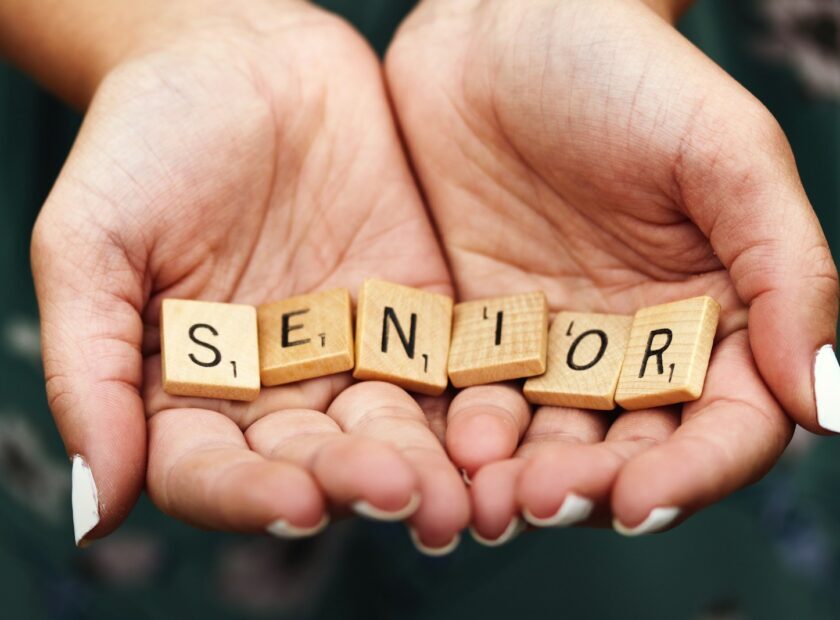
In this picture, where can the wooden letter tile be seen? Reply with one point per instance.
(402, 336)
(305, 337)
(498, 339)
(209, 350)
(585, 352)
(668, 353)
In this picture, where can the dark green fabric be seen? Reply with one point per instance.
(770, 551)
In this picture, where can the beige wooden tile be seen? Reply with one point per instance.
(402, 336)
(306, 336)
(585, 352)
(209, 349)
(668, 353)
(498, 339)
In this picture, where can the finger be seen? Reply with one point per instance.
(89, 294)
(495, 509)
(495, 487)
(569, 477)
(310, 394)
(436, 409)
(484, 425)
(740, 184)
(386, 413)
(202, 471)
(728, 438)
(369, 476)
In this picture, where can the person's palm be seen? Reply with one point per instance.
(587, 150)
(243, 161)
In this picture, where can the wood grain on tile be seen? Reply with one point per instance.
(668, 353)
(585, 352)
(305, 337)
(402, 336)
(498, 339)
(209, 349)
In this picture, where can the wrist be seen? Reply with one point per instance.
(669, 10)
(69, 46)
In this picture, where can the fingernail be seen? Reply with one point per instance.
(434, 552)
(466, 477)
(574, 509)
(283, 529)
(827, 388)
(366, 509)
(514, 529)
(85, 500)
(658, 519)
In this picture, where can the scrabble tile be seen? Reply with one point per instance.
(668, 353)
(209, 349)
(402, 336)
(585, 352)
(498, 339)
(305, 337)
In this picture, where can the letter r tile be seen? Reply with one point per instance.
(209, 349)
(402, 336)
(668, 353)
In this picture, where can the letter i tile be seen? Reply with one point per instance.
(499, 339)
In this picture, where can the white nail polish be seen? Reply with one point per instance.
(658, 519)
(466, 477)
(827, 388)
(514, 529)
(435, 552)
(283, 529)
(366, 509)
(574, 509)
(84, 498)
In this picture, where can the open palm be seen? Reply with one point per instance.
(241, 160)
(587, 150)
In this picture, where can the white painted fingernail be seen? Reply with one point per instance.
(514, 529)
(85, 500)
(366, 509)
(283, 529)
(827, 388)
(466, 477)
(574, 509)
(435, 552)
(658, 519)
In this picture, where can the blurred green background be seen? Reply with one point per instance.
(770, 551)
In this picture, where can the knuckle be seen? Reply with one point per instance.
(57, 390)
(741, 136)
(763, 130)
(823, 275)
(823, 264)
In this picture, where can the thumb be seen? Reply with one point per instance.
(746, 196)
(89, 296)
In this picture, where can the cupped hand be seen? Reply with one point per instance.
(246, 155)
(588, 150)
